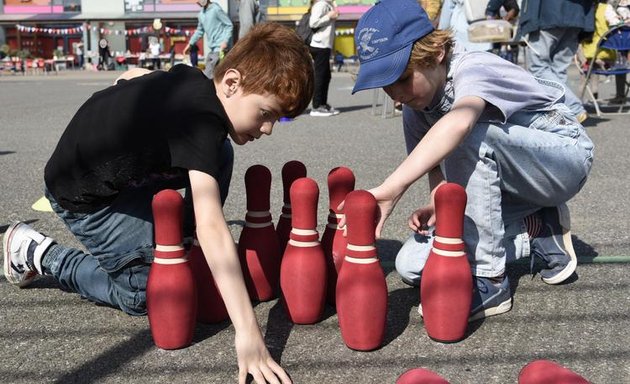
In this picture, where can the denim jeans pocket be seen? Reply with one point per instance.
(560, 122)
(130, 284)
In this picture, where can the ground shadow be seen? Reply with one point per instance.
(6, 152)
(3, 228)
(110, 361)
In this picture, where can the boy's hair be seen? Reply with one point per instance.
(272, 58)
(426, 49)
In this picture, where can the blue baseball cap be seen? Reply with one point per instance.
(384, 38)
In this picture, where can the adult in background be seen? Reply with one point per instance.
(248, 14)
(217, 27)
(551, 29)
(453, 15)
(322, 21)
(104, 55)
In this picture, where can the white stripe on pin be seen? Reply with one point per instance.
(448, 253)
(448, 240)
(159, 260)
(168, 248)
(361, 248)
(303, 244)
(357, 260)
(304, 232)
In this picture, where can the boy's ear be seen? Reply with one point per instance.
(231, 82)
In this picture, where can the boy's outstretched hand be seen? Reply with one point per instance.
(387, 200)
(254, 358)
(422, 219)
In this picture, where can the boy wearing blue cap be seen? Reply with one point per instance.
(488, 125)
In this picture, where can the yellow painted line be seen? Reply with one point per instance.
(42, 205)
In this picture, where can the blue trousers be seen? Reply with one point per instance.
(549, 54)
(119, 243)
(538, 159)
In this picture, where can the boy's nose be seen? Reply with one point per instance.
(267, 128)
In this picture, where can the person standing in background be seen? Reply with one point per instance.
(453, 15)
(551, 30)
(217, 27)
(78, 50)
(322, 21)
(249, 14)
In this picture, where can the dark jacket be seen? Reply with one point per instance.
(546, 14)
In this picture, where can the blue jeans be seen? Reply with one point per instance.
(538, 159)
(549, 54)
(119, 243)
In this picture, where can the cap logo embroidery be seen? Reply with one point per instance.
(368, 51)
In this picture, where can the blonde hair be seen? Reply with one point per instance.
(427, 49)
(272, 58)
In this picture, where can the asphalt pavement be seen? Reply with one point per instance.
(52, 336)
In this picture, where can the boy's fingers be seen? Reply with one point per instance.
(242, 376)
(269, 375)
(259, 378)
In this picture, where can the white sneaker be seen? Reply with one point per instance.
(321, 111)
(23, 248)
(331, 109)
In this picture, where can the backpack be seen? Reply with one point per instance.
(303, 28)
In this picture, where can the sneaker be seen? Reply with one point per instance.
(331, 109)
(321, 111)
(23, 248)
(553, 244)
(489, 298)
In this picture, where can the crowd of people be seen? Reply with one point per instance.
(512, 137)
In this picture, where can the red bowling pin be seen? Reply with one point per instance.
(340, 183)
(210, 306)
(548, 372)
(291, 171)
(258, 248)
(420, 376)
(171, 291)
(303, 269)
(446, 285)
(361, 288)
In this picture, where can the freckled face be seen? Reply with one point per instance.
(252, 115)
(417, 88)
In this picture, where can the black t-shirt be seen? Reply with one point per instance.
(151, 128)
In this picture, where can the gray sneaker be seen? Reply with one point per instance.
(23, 248)
(553, 244)
(489, 298)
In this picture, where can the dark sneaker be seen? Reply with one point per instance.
(23, 248)
(321, 111)
(553, 244)
(489, 298)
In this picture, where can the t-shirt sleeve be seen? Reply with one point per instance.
(507, 87)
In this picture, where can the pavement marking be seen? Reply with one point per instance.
(42, 205)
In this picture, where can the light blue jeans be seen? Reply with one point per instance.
(538, 159)
(549, 54)
(119, 243)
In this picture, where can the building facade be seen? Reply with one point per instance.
(47, 28)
